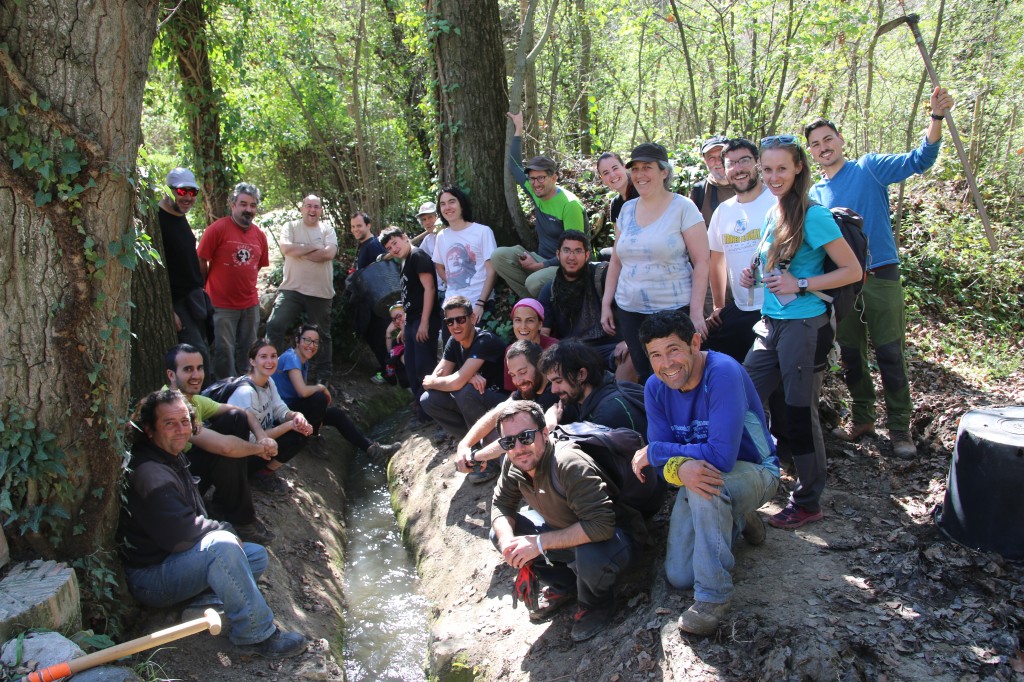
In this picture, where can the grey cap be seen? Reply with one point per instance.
(427, 208)
(542, 163)
(713, 142)
(182, 177)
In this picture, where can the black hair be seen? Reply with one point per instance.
(575, 236)
(666, 323)
(171, 358)
(144, 417)
(742, 143)
(388, 233)
(307, 327)
(514, 407)
(453, 302)
(528, 349)
(819, 123)
(569, 356)
(362, 214)
(464, 202)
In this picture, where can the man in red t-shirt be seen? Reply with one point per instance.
(231, 252)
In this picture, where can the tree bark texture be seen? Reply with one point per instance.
(73, 75)
(471, 105)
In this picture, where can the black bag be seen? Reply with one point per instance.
(842, 299)
(222, 389)
(613, 450)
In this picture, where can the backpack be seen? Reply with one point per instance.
(612, 450)
(222, 389)
(841, 299)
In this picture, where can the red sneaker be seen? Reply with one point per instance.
(794, 516)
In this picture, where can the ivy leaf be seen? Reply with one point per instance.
(70, 164)
(16, 159)
(43, 198)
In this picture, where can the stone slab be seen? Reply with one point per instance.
(44, 648)
(106, 673)
(39, 594)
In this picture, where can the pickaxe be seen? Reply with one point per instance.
(911, 20)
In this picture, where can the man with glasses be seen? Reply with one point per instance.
(192, 309)
(231, 252)
(574, 537)
(734, 234)
(308, 246)
(863, 186)
(555, 209)
(469, 379)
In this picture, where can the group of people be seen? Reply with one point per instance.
(721, 385)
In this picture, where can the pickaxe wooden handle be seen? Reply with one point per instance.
(210, 621)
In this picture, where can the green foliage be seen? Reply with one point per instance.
(101, 595)
(500, 322)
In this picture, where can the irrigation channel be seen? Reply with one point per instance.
(385, 626)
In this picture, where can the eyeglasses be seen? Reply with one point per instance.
(573, 252)
(525, 437)
(309, 342)
(539, 178)
(458, 319)
(779, 141)
(745, 162)
(185, 191)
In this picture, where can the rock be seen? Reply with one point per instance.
(39, 594)
(5, 551)
(45, 648)
(106, 673)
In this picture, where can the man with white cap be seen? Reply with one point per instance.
(427, 216)
(192, 309)
(715, 188)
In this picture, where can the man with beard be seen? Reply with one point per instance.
(734, 234)
(573, 303)
(523, 358)
(588, 392)
(231, 253)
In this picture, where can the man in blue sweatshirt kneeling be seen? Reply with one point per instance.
(706, 429)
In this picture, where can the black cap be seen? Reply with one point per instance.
(712, 142)
(648, 151)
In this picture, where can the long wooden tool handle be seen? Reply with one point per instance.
(955, 134)
(210, 621)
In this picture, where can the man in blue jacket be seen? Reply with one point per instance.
(863, 185)
(706, 429)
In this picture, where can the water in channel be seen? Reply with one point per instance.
(386, 618)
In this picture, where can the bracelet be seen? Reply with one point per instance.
(938, 117)
(544, 554)
(481, 301)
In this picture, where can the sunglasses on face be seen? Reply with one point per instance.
(458, 319)
(779, 141)
(525, 437)
(186, 191)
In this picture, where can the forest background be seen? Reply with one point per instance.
(374, 105)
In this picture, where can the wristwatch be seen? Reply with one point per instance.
(802, 283)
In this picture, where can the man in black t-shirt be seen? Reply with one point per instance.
(372, 327)
(419, 298)
(192, 312)
(469, 379)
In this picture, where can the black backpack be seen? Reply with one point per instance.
(842, 299)
(613, 450)
(222, 389)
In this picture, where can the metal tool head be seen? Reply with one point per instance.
(910, 20)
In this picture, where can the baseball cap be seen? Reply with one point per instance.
(542, 163)
(648, 151)
(181, 177)
(712, 142)
(427, 208)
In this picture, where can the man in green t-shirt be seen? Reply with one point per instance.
(219, 451)
(555, 210)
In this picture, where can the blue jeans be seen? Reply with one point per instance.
(420, 358)
(590, 570)
(701, 532)
(218, 562)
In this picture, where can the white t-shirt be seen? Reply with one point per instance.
(463, 254)
(305, 276)
(656, 270)
(735, 230)
(265, 401)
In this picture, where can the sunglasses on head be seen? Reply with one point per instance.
(779, 141)
(458, 319)
(525, 437)
(186, 191)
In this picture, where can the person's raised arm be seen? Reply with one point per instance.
(515, 150)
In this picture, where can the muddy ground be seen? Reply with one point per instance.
(874, 592)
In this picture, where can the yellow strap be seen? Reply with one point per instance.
(671, 470)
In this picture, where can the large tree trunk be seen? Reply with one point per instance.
(71, 83)
(471, 106)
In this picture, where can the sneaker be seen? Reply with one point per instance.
(378, 378)
(281, 644)
(378, 451)
(703, 618)
(548, 602)
(317, 447)
(589, 622)
(902, 444)
(794, 516)
(255, 532)
(854, 433)
(753, 529)
(272, 484)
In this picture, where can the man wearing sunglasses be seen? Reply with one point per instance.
(863, 185)
(193, 311)
(470, 378)
(577, 537)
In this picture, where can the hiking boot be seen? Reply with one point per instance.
(548, 602)
(281, 644)
(378, 378)
(902, 444)
(480, 476)
(753, 528)
(794, 516)
(269, 483)
(854, 433)
(256, 532)
(382, 452)
(703, 617)
(589, 622)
